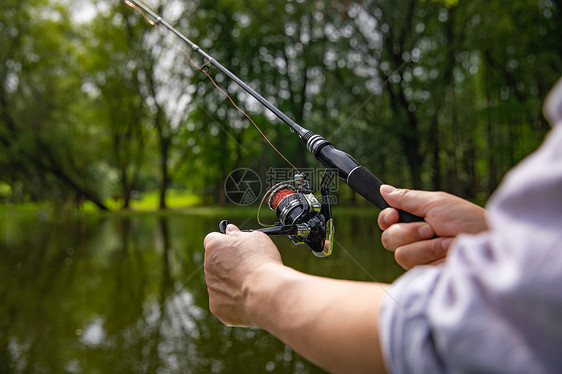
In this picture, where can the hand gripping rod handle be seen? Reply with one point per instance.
(358, 177)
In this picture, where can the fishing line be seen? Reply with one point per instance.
(302, 217)
(204, 68)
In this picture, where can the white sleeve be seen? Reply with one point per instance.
(495, 305)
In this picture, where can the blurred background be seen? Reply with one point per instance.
(114, 152)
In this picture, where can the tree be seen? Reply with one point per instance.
(39, 96)
(113, 80)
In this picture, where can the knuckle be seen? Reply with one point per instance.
(209, 241)
(432, 253)
(397, 235)
(402, 192)
(435, 250)
(401, 196)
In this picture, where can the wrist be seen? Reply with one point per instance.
(480, 223)
(261, 291)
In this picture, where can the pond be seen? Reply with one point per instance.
(126, 294)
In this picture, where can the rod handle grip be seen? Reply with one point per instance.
(366, 184)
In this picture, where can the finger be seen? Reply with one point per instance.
(401, 234)
(387, 217)
(421, 253)
(211, 238)
(231, 229)
(413, 201)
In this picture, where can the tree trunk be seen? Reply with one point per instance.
(165, 181)
(125, 189)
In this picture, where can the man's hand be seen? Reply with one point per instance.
(231, 262)
(445, 216)
(332, 322)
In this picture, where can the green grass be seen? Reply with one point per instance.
(5, 190)
(177, 202)
(150, 201)
(174, 199)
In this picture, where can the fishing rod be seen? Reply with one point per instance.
(297, 207)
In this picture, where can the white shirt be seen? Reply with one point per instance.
(495, 305)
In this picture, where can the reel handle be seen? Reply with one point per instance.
(222, 226)
(275, 230)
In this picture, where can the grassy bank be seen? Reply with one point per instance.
(178, 202)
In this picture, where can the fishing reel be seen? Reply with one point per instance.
(302, 217)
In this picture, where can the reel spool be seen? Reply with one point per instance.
(278, 195)
(302, 217)
(292, 206)
(295, 204)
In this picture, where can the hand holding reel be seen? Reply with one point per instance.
(302, 217)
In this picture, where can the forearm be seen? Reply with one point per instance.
(333, 323)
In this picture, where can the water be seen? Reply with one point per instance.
(117, 294)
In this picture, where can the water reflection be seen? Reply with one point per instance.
(127, 295)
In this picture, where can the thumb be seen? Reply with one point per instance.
(412, 201)
(231, 229)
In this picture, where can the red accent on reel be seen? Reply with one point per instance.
(280, 195)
